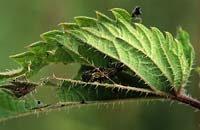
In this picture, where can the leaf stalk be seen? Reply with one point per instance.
(187, 100)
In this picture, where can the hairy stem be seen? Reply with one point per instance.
(44, 109)
(181, 98)
(59, 106)
(187, 100)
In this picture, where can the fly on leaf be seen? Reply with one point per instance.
(136, 13)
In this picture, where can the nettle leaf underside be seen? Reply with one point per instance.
(155, 65)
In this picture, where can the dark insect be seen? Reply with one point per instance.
(19, 88)
(38, 102)
(82, 102)
(136, 11)
(100, 74)
(62, 105)
(40, 105)
(96, 74)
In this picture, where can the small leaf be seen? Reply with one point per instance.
(12, 73)
(9, 106)
(189, 55)
(10, 101)
(18, 88)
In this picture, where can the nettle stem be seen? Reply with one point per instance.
(181, 98)
(187, 100)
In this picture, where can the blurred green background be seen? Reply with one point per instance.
(21, 22)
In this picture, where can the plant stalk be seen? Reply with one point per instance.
(187, 100)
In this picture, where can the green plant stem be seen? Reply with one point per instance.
(44, 109)
(181, 98)
(187, 100)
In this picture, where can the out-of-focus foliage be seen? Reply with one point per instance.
(198, 69)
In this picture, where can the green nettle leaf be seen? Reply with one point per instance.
(119, 60)
(11, 107)
(162, 62)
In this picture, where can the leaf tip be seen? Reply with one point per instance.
(84, 21)
(120, 13)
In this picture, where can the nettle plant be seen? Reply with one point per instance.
(119, 58)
